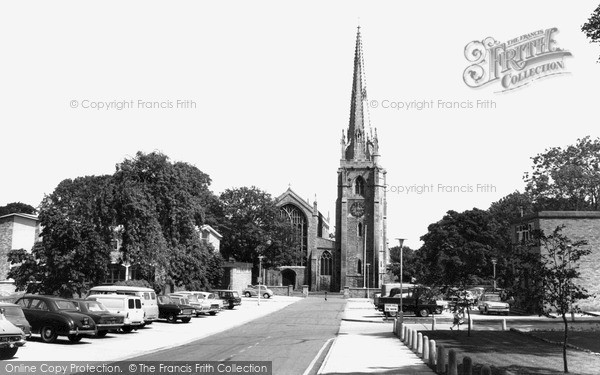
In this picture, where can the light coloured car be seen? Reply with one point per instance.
(200, 306)
(253, 290)
(127, 306)
(11, 338)
(216, 304)
(492, 303)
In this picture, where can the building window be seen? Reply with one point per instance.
(300, 228)
(326, 264)
(360, 230)
(359, 186)
(524, 233)
(359, 268)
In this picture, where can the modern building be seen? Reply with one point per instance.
(17, 231)
(578, 225)
(358, 257)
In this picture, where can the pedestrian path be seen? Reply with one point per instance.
(366, 345)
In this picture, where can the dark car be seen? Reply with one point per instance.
(169, 309)
(52, 317)
(15, 315)
(231, 297)
(104, 319)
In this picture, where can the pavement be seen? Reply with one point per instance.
(367, 345)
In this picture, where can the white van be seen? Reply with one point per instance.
(129, 307)
(147, 295)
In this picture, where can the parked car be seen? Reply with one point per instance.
(231, 297)
(104, 319)
(200, 307)
(492, 303)
(147, 296)
(15, 315)
(11, 338)
(253, 290)
(215, 303)
(169, 309)
(127, 306)
(52, 317)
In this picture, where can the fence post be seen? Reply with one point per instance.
(432, 354)
(467, 366)
(452, 365)
(440, 364)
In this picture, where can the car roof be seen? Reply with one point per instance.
(114, 296)
(8, 304)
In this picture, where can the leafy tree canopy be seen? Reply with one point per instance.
(17, 207)
(591, 28)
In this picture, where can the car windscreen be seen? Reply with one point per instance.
(235, 294)
(493, 298)
(164, 299)
(13, 311)
(94, 306)
(65, 305)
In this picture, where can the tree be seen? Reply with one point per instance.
(591, 28)
(458, 249)
(549, 270)
(77, 223)
(17, 207)
(566, 179)
(160, 206)
(412, 264)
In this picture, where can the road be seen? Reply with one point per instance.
(291, 338)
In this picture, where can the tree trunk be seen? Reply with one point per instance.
(566, 368)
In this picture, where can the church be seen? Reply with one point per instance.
(358, 256)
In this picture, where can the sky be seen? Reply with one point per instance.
(264, 95)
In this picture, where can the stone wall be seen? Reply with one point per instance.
(360, 292)
(281, 290)
(5, 246)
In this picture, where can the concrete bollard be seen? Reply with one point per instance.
(403, 334)
(420, 344)
(486, 370)
(452, 365)
(467, 366)
(504, 324)
(471, 322)
(432, 354)
(395, 327)
(409, 338)
(425, 349)
(433, 323)
(414, 340)
(440, 364)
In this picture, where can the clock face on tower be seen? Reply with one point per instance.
(357, 209)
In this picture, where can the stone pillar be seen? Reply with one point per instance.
(290, 290)
(346, 292)
(432, 354)
(452, 365)
(305, 290)
(440, 364)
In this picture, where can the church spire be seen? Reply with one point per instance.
(356, 143)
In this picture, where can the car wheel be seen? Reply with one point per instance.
(127, 329)
(171, 318)
(74, 338)
(266, 295)
(213, 313)
(439, 310)
(186, 320)
(101, 333)
(423, 313)
(486, 311)
(248, 294)
(49, 334)
(7, 353)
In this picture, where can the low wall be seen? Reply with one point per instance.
(282, 290)
(360, 292)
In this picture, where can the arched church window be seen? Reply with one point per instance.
(359, 267)
(359, 186)
(299, 224)
(326, 264)
(360, 230)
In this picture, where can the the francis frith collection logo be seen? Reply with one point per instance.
(514, 63)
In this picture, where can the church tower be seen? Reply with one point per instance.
(360, 218)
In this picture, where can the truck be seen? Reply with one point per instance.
(415, 299)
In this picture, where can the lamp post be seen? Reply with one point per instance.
(368, 265)
(260, 258)
(401, 312)
(494, 261)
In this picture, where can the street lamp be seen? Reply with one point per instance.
(260, 258)
(401, 243)
(368, 265)
(494, 261)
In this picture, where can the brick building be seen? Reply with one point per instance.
(17, 231)
(579, 225)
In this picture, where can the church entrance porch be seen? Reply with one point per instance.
(288, 277)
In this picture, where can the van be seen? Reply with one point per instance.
(129, 307)
(147, 295)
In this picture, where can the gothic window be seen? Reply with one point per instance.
(359, 186)
(300, 229)
(326, 264)
(360, 230)
(359, 268)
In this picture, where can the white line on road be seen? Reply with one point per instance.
(312, 364)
